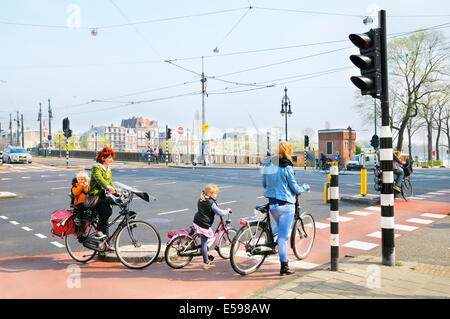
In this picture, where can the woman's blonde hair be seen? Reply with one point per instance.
(209, 189)
(83, 175)
(285, 150)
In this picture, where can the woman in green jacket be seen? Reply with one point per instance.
(101, 180)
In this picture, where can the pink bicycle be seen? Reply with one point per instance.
(182, 246)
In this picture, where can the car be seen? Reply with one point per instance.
(356, 163)
(13, 154)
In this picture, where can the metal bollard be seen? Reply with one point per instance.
(334, 218)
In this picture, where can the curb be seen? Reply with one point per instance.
(112, 256)
(369, 199)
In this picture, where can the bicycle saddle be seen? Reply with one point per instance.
(263, 208)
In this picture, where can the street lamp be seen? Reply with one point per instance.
(95, 132)
(285, 103)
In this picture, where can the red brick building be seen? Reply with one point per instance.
(337, 141)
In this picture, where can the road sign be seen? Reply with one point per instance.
(180, 130)
(205, 127)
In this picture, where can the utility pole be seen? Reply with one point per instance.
(40, 128)
(50, 116)
(18, 129)
(10, 129)
(23, 135)
(203, 80)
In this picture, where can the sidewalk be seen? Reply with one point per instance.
(421, 271)
(362, 277)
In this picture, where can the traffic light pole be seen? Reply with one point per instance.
(386, 158)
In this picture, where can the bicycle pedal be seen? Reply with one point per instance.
(210, 257)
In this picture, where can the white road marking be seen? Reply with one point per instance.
(3, 217)
(357, 212)
(433, 215)
(419, 221)
(57, 244)
(405, 227)
(433, 193)
(14, 222)
(230, 202)
(6, 179)
(26, 228)
(362, 245)
(41, 236)
(378, 209)
(343, 219)
(65, 187)
(260, 197)
(25, 177)
(377, 234)
(174, 211)
(222, 187)
(58, 181)
(322, 225)
(166, 183)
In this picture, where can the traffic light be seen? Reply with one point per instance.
(147, 135)
(368, 61)
(169, 133)
(306, 140)
(66, 128)
(378, 178)
(375, 141)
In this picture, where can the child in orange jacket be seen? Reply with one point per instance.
(81, 189)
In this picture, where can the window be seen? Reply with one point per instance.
(329, 147)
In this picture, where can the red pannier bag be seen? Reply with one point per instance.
(62, 223)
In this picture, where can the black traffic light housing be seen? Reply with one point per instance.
(306, 140)
(169, 133)
(368, 61)
(375, 141)
(147, 135)
(66, 128)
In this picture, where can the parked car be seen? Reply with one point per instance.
(16, 155)
(357, 161)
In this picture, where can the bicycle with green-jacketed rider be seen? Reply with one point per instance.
(137, 243)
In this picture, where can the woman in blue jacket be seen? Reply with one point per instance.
(281, 189)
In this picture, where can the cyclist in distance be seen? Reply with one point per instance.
(281, 189)
(398, 169)
(204, 219)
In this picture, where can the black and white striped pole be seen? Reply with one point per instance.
(334, 217)
(372, 61)
(386, 158)
(67, 152)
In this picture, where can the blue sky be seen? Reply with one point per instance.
(71, 67)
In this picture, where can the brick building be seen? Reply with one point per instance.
(338, 141)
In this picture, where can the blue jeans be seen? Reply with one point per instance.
(283, 216)
(400, 173)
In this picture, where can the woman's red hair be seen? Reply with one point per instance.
(104, 154)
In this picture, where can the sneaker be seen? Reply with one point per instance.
(397, 189)
(99, 235)
(208, 266)
(110, 248)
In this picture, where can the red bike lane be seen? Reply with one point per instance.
(59, 277)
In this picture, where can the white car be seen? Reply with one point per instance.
(16, 155)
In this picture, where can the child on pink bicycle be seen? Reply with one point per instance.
(204, 219)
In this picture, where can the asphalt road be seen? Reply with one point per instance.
(177, 190)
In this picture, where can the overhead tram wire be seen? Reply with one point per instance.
(234, 27)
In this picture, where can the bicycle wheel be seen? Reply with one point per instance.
(179, 245)
(302, 236)
(242, 259)
(75, 248)
(138, 245)
(407, 189)
(225, 243)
